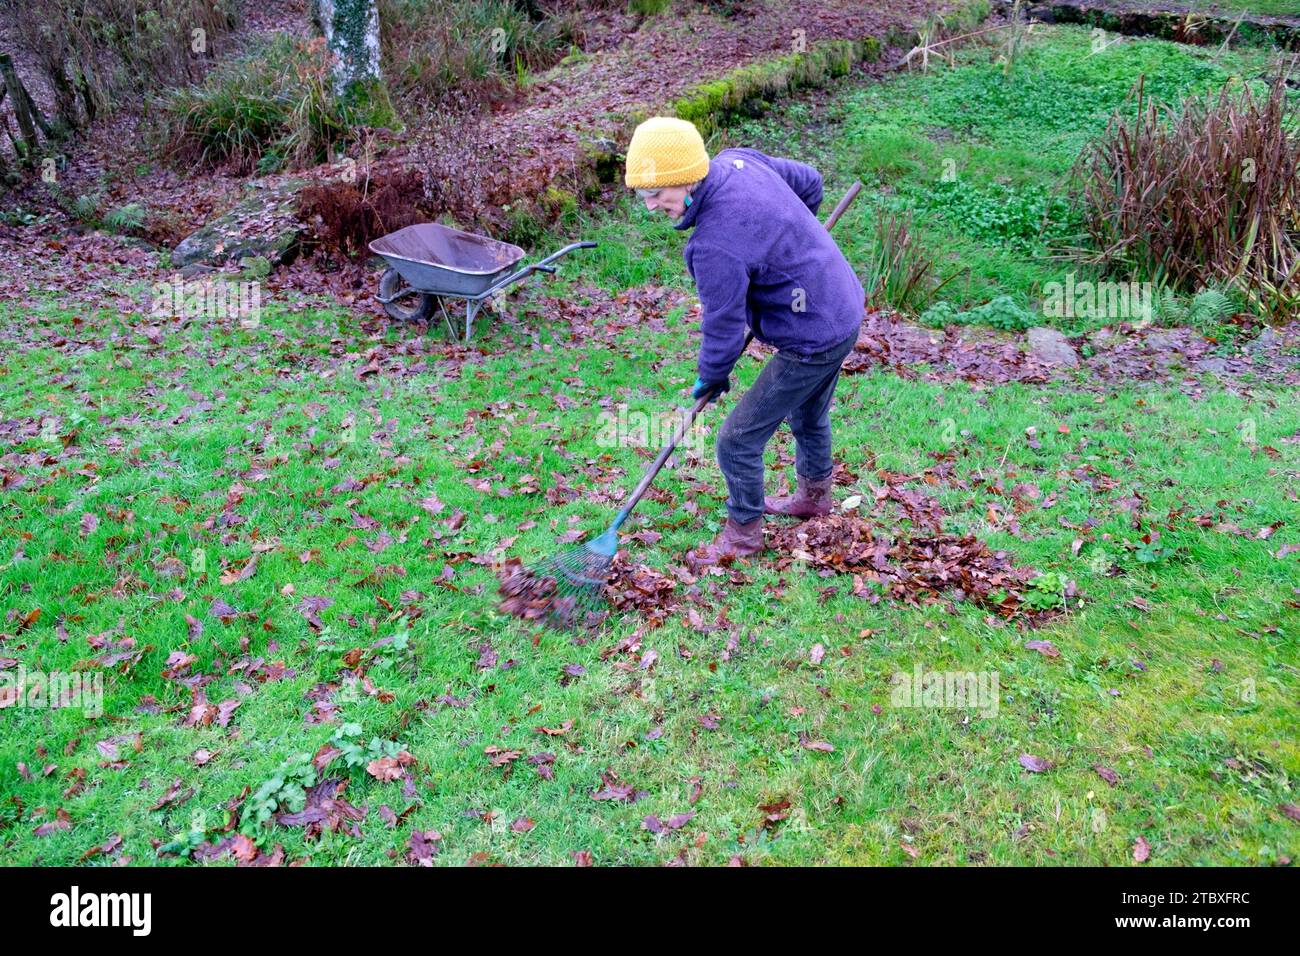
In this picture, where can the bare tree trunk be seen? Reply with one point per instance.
(6, 177)
(65, 97)
(20, 101)
(351, 29)
(46, 126)
(8, 130)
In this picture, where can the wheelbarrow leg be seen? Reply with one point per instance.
(471, 311)
(446, 318)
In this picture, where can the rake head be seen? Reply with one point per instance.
(566, 589)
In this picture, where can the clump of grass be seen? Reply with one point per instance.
(481, 47)
(901, 273)
(1205, 193)
(271, 107)
(891, 151)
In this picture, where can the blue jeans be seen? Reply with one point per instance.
(794, 388)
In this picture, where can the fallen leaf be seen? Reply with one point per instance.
(1035, 764)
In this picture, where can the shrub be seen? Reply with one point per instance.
(347, 216)
(1203, 195)
(271, 106)
(473, 172)
(1002, 313)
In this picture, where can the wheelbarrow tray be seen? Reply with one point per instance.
(443, 261)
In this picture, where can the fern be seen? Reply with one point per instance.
(126, 219)
(85, 208)
(1210, 306)
(1172, 311)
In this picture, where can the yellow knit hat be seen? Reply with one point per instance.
(665, 151)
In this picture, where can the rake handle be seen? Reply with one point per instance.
(678, 433)
(844, 203)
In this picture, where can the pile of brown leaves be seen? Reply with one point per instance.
(533, 595)
(643, 589)
(914, 570)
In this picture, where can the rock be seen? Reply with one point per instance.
(1165, 340)
(1265, 341)
(1051, 347)
(195, 269)
(263, 223)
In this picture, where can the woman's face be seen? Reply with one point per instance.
(671, 200)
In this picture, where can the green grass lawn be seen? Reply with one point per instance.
(978, 153)
(1178, 672)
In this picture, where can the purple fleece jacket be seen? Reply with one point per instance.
(760, 258)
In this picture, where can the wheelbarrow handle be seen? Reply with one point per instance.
(542, 266)
(545, 264)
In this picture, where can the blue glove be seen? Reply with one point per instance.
(703, 388)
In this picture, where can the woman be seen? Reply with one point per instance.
(760, 259)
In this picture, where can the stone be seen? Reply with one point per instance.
(1165, 339)
(263, 223)
(1051, 347)
(1264, 342)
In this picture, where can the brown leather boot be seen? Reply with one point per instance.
(734, 541)
(811, 499)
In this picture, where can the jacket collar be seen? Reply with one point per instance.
(703, 191)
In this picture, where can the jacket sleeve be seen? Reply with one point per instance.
(722, 282)
(800, 177)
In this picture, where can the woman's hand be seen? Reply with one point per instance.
(712, 389)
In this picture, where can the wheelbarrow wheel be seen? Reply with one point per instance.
(413, 307)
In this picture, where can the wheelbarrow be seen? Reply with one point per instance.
(429, 263)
